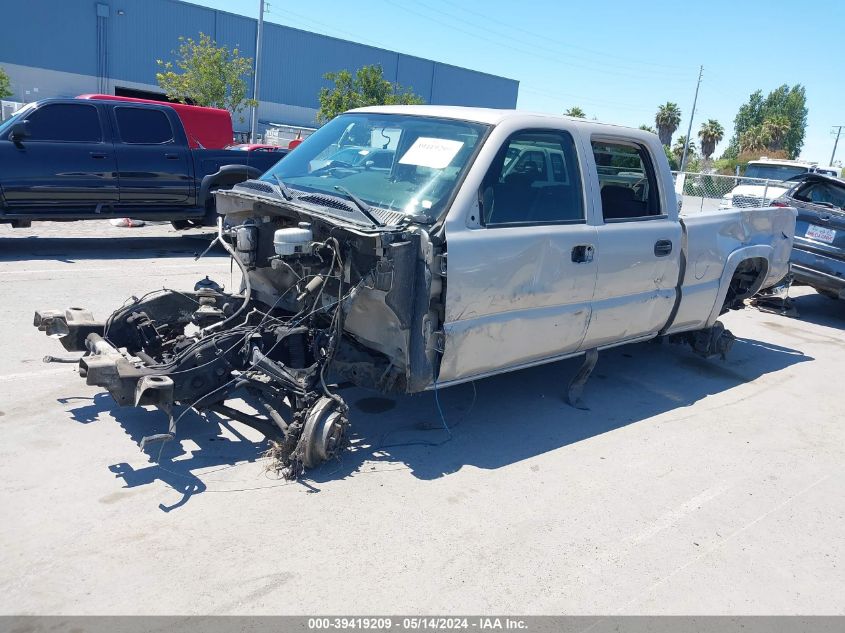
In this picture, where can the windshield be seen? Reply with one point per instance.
(774, 172)
(5, 125)
(410, 164)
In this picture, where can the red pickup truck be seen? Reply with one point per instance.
(206, 128)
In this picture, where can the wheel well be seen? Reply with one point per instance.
(746, 280)
(226, 181)
(227, 177)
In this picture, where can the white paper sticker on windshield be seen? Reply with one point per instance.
(431, 152)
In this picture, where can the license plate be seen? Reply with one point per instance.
(820, 234)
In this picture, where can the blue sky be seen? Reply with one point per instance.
(616, 60)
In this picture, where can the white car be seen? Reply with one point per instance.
(764, 181)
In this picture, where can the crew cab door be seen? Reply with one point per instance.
(66, 162)
(153, 160)
(638, 245)
(520, 281)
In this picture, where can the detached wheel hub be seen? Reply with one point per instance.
(324, 432)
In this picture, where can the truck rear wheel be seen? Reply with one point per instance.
(209, 219)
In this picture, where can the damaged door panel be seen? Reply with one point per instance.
(481, 248)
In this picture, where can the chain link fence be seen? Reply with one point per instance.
(284, 134)
(710, 192)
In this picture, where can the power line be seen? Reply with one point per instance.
(331, 31)
(498, 41)
(579, 99)
(487, 18)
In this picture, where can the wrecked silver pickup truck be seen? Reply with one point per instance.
(410, 248)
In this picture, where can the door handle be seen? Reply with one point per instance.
(172, 156)
(98, 155)
(662, 248)
(582, 253)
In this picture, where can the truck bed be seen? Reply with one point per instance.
(715, 243)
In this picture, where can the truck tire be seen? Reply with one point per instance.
(209, 219)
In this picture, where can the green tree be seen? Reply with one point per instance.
(673, 162)
(753, 140)
(784, 101)
(648, 128)
(776, 129)
(367, 87)
(210, 75)
(5, 85)
(749, 116)
(667, 120)
(678, 148)
(576, 112)
(711, 133)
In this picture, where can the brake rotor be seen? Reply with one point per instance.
(324, 433)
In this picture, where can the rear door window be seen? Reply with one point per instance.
(65, 122)
(142, 126)
(627, 179)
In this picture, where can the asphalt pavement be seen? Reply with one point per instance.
(689, 486)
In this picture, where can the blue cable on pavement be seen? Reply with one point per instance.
(440, 409)
(443, 421)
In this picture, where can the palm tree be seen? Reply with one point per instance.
(667, 120)
(678, 147)
(710, 134)
(576, 112)
(775, 130)
(752, 140)
(648, 128)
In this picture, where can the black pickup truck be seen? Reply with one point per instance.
(72, 159)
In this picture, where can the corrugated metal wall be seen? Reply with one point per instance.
(62, 35)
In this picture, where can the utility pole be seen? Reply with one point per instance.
(257, 78)
(691, 117)
(836, 142)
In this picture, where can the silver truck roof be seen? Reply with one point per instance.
(490, 116)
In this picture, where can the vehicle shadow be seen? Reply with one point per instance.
(518, 415)
(492, 423)
(821, 310)
(70, 249)
(221, 444)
